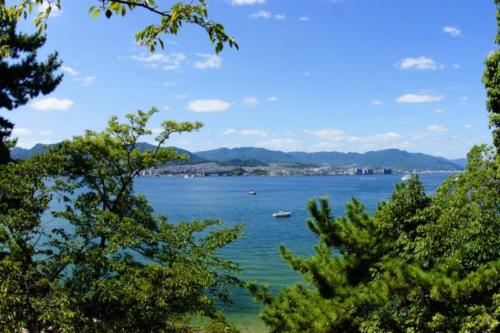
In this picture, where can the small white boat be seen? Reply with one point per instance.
(188, 176)
(252, 192)
(282, 213)
(407, 177)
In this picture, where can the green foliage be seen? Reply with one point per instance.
(418, 264)
(103, 261)
(171, 19)
(491, 80)
(22, 76)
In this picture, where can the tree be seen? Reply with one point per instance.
(108, 264)
(22, 76)
(418, 264)
(491, 80)
(171, 19)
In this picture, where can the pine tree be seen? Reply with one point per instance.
(22, 76)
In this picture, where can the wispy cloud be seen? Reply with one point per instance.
(436, 128)
(304, 18)
(86, 81)
(452, 31)
(250, 101)
(208, 105)
(264, 14)
(377, 102)
(51, 104)
(261, 14)
(167, 62)
(272, 98)
(69, 70)
(332, 135)
(418, 98)
(208, 61)
(247, 2)
(419, 63)
(17, 132)
(247, 132)
(281, 144)
(338, 139)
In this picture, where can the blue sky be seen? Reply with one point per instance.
(310, 75)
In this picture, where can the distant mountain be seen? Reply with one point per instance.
(22, 153)
(460, 161)
(389, 158)
(192, 158)
(247, 153)
(18, 153)
(249, 156)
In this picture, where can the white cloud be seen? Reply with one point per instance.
(254, 132)
(208, 105)
(46, 133)
(86, 81)
(377, 102)
(261, 14)
(453, 31)
(468, 126)
(69, 70)
(281, 144)
(208, 61)
(456, 66)
(419, 63)
(418, 98)
(338, 139)
(272, 98)
(332, 135)
(247, 2)
(304, 18)
(167, 62)
(230, 131)
(436, 128)
(166, 107)
(16, 132)
(52, 104)
(264, 14)
(248, 132)
(439, 111)
(250, 101)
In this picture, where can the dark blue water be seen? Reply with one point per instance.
(226, 198)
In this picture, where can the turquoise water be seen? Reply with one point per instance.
(226, 198)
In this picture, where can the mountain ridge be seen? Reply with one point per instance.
(386, 158)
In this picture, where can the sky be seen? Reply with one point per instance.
(310, 75)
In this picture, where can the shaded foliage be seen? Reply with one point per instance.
(103, 261)
(418, 264)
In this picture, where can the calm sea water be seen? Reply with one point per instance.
(226, 198)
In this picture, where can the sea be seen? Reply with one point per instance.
(227, 199)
